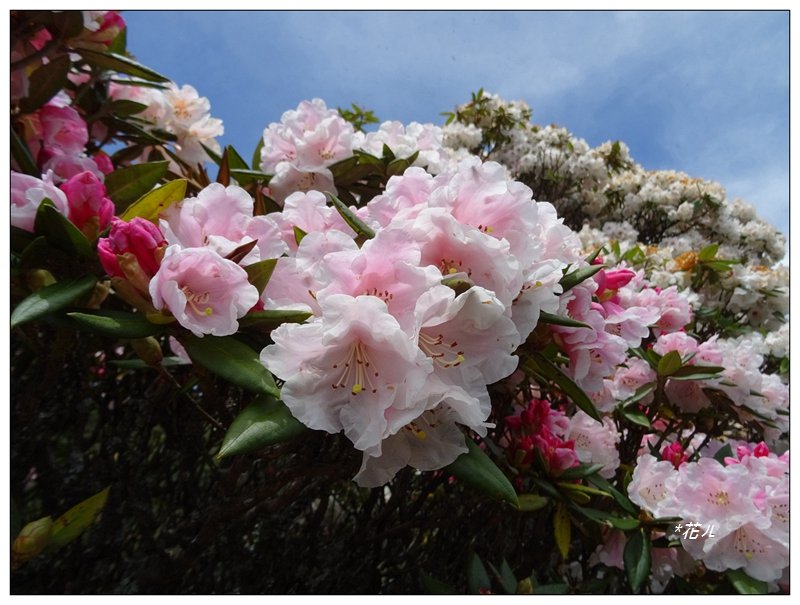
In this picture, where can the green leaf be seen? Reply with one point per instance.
(565, 383)
(266, 421)
(561, 320)
(60, 231)
(272, 318)
(551, 589)
(128, 184)
(580, 471)
(636, 558)
(22, 155)
(623, 523)
(458, 284)
(120, 42)
(299, 234)
(120, 64)
(153, 203)
(570, 280)
(477, 577)
(244, 176)
(618, 496)
(76, 520)
(724, 452)
(124, 107)
(138, 364)
(116, 323)
(697, 372)
(50, 299)
(744, 584)
(342, 167)
(584, 489)
(642, 392)
(636, 417)
(669, 364)
(35, 254)
(507, 578)
(45, 82)
(259, 273)
(531, 502)
(591, 258)
(476, 469)
(433, 586)
(708, 253)
(562, 528)
(232, 360)
(256, 164)
(356, 224)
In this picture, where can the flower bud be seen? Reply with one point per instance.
(89, 208)
(38, 279)
(140, 240)
(148, 350)
(32, 540)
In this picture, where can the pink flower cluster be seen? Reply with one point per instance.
(393, 356)
(539, 428)
(81, 198)
(745, 500)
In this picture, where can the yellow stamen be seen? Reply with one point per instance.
(208, 311)
(420, 435)
(357, 388)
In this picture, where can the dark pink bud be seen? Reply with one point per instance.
(674, 453)
(87, 199)
(139, 237)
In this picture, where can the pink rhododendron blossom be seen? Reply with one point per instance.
(408, 193)
(64, 167)
(140, 238)
(595, 442)
(221, 218)
(653, 486)
(288, 179)
(27, 194)
(353, 369)
(206, 293)
(540, 428)
(89, 208)
(386, 266)
(63, 130)
(309, 212)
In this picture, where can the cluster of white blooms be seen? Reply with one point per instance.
(178, 111)
(604, 184)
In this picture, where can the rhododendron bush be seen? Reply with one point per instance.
(477, 357)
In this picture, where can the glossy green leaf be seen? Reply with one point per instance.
(458, 284)
(564, 382)
(22, 155)
(124, 107)
(561, 320)
(744, 584)
(266, 421)
(636, 558)
(433, 586)
(272, 318)
(60, 231)
(580, 471)
(235, 161)
(708, 253)
(153, 203)
(724, 452)
(299, 234)
(120, 64)
(45, 82)
(570, 280)
(507, 578)
(76, 520)
(642, 392)
(669, 364)
(120, 42)
(256, 163)
(531, 502)
(232, 360)
(697, 372)
(116, 323)
(125, 185)
(259, 273)
(245, 176)
(50, 299)
(623, 523)
(356, 224)
(562, 528)
(636, 417)
(618, 496)
(477, 577)
(139, 364)
(476, 469)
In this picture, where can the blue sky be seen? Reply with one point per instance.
(706, 93)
